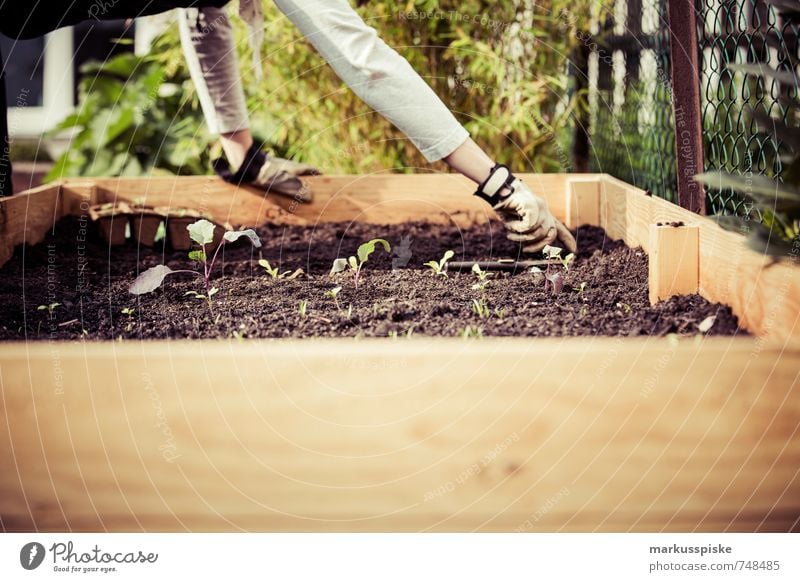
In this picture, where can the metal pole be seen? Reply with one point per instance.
(686, 103)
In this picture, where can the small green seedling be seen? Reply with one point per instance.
(481, 308)
(440, 267)
(554, 253)
(581, 288)
(483, 277)
(275, 273)
(202, 233)
(302, 308)
(127, 311)
(471, 332)
(334, 294)
(50, 308)
(356, 264)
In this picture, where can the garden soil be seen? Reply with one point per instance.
(605, 290)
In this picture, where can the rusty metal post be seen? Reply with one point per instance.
(686, 103)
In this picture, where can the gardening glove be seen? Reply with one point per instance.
(524, 214)
(269, 173)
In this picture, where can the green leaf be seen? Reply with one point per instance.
(339, 265)
(150, 280)
(447, 256)
(353, 263)
(234, 235)
(213, 291)
(197, 256)
(366, 249)
(202, 231)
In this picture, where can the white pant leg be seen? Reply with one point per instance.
(377, 74)
(210, 50)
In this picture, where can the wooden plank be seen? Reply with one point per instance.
(673, 261)
(376, 198)
(26, 217)
(625, 212)
(586, 434)
(764, 295)
(583, 201)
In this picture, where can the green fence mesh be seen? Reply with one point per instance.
(741, 31)
(632, 121)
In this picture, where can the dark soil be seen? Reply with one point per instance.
(90, 283)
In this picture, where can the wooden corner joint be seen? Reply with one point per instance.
(674, 260)
(583, 202)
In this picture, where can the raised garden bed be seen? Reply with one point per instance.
(428, 433)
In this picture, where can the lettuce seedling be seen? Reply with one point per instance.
(554, 253)
(356, 264)
(440, 267)
(302, 308)
(481, 308)
(202, 233)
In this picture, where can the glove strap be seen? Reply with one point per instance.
(254, 160)
(499, 178)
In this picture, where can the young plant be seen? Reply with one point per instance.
(581, 288)
(483, 277)
(334, 294)
(481, 308)
(356, 264)
(440, 267)
(50, 308)
(471, 332)
(274, 272)
(202, 233)
(207, 297)
(555, 280)
(302, 308)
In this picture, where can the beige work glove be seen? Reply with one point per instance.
(270, 173)
(525, 215)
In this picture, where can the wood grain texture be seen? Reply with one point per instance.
(673, 265)
(572, 435)
(375, 198)
(764, 295)
(26, 217)
(583, 201)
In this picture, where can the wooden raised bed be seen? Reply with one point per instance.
(589, 434)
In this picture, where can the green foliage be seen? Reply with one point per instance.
(777, 201)
(440, 267)
(501, 66)
(357, 264)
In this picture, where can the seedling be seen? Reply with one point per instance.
(581, 288)
(129, 312)
(554, 253)
(471, 332)
(483, 277)
(480, 308)
(356, 264)
(334, 294)
(202, 233)
(50, 308)
(440, 267)
(302, 308)
(275, 273)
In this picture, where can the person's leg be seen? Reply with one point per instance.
(207, 39)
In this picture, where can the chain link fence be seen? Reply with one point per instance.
(632, 122)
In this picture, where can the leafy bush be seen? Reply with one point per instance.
(501, 66)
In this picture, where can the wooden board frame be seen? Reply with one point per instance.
(571, 434)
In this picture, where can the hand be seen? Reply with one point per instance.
(529, 221)
(270, 173)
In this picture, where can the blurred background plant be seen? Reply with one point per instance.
(501, 66)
